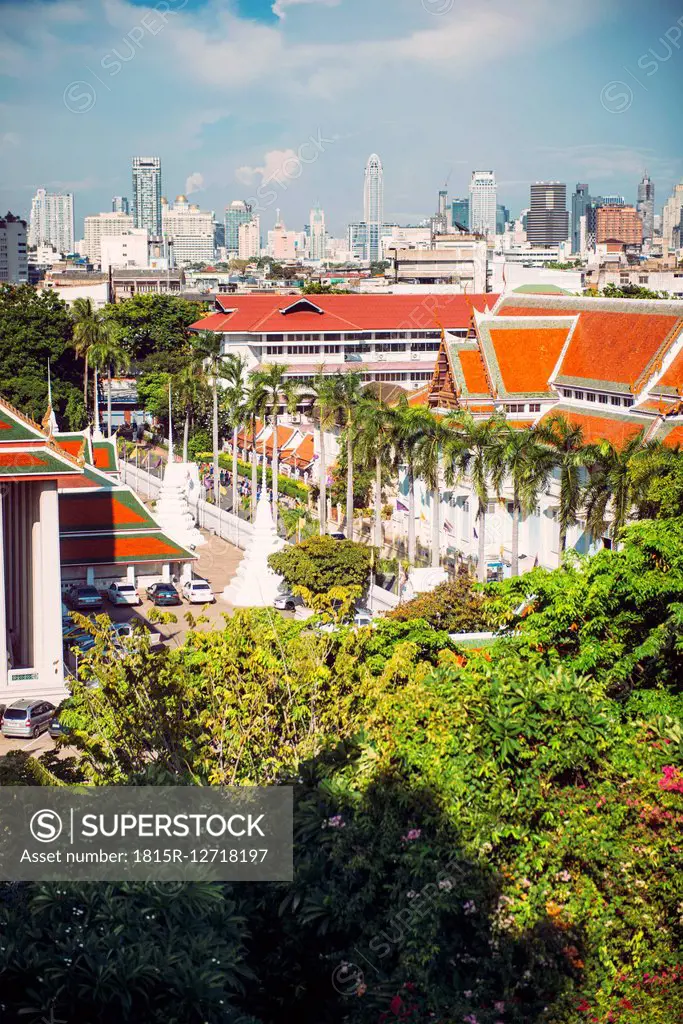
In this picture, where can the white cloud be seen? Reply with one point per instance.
(194, 183)
(280, 6)
(277, 164)
(604, 161)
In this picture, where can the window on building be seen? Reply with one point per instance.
(615, 400)
(602, 399)
(331, 349)
(514, 408)
(421, 375)
(590, 397)
(579, 395)
(628, 402)
(566, 393)
(643, 279)
(535, 407)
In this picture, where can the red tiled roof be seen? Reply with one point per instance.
(614, 346)
(616, 429)
(101, 511)
(673, 378)
(258, 313)
(302, 455)
(72, 446)
(103, 550)
(674, 437)
(527, 356)
(104, 456)
(473, 370)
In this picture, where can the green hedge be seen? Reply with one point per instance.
(291, 488)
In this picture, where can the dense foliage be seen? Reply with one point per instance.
(321, 563)
(456, 607)
(153, 329)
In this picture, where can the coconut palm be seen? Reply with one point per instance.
(432, 437)
(407, 434)
(236, 401)
(208, 347)
(571, 456)
(275, 385)
(89, 326)
(107, 353)
(375, 430)
(520, 457)
(255, 406)
(191, 390)
(613, 490)
(324, 412)
(346, 396)
(470, 451)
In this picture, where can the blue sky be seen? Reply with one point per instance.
(297, 93)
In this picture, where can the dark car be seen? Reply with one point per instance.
(57, 728)
(84, 598)
(163, 594)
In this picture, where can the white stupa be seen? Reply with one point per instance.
(256, 585)
(173, 510)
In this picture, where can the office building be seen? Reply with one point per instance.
(190, 229)
(618, 226)
(373, 206)
(548, 220)
(120, 204)
(460, 213)
(52, 221)
(457, 260)
(316, 234)
(237, 213)
(249, 239)
(357, 239)
(147, 193)
(580, 201)
(502, 218)
(101, 225)
(129, 249)
(646, 206)
(483, 191)
(671, 220)
(13, 255)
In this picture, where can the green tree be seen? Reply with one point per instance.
(455, 607)
(432, 438)
(571, 457)
(347, 393)
(86, 332)
(208, 348)
(234, 368)
(192, 393)
(407, 435)
(107, 353)
(154, 329)
(374, 445)
(256, 402)
(321, 563)
(153, 393)
(324, 411)
(610, 495)
(275, 386)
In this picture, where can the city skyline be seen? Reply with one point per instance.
(217, 90)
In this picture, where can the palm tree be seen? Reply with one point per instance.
(407, 434)
(108, 353)
(208, 347)
(375, 429)
(236, 397)
(192, 392)
(612, 486)
(276, 385)
(432, 437)
(324, 411)
(255, 405)
(347, 394)
(470, 450)
(571, 456)
(89, 325)
(519, 456)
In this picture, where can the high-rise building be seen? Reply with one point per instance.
(237, 213)
(618, 225)
(502, 218)
(147, 194)
(611, 200)
(52, 220)
(580, 202)
(190, 229)
(120, 204)
(671, 219)
(646, 206)
(316, 234)
(357, 239)
(373, 206)
(460, 215)
(103, 225)
(13, 255)
(250, 239)
(129, 249)
(483, 192)
(548, 221)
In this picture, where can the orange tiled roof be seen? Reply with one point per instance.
(673, 378)
(526, 356)
(616, 429)
(473, 370)
(674, 437)
(614, 346)
(82, 550)
(302, 455)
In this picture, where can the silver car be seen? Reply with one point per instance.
(27, 718)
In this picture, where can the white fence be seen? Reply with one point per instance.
(224, 524)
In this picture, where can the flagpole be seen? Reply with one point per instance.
(170, 423)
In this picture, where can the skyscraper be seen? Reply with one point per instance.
(672, 214)
(618, 225)
(119, 204)
(317, 236)
(646, 206)
(52, 220)
(461, 213)
(483, 191)
(580, 201)
(373, 206)
(13, 255)
(237, 213)
(548, 221)
(147, 194)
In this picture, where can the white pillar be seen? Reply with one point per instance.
(3, 606)
(130, 574)
(51, 668)
(166, 573)
(35, 575)
(90, 576)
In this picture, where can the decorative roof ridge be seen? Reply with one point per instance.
(655, 367)
(586, 303)
(4, 404)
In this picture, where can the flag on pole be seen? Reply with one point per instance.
(400, 507)
(474, 531)
(448, 527)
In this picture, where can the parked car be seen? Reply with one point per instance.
(56, 727)
(338, 535)
(163, 594)
(83, 597)
(27, 718)
(287, 601)
(198, 592)
(123, 592)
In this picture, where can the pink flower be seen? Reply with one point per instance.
(672, 781)
(336, 821)
(413, 833)
(499, 1007)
